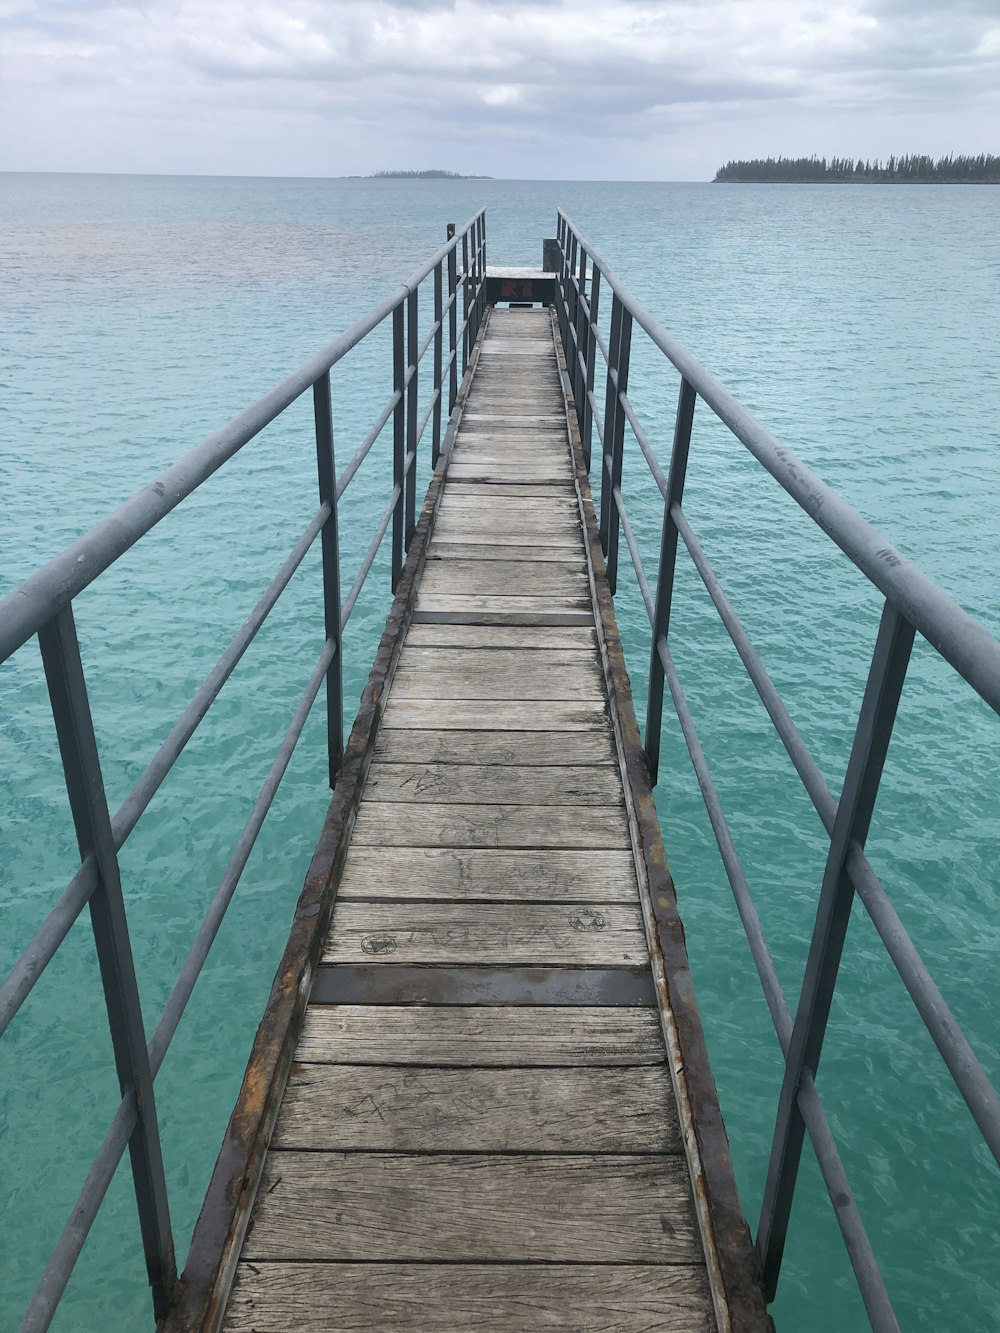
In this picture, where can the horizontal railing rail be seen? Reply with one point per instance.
(43, 607)
(913, 603)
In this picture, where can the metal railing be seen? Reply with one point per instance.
(43, 607)
(912, 604)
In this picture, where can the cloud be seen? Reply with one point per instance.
(471, 75)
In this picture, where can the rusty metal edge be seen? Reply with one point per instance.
(736, 1290)
(203, 1290)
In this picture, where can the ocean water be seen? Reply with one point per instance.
(137, 314)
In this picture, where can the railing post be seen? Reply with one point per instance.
(452, 321)
(482, 273)
(686, 400)
(580, 354)
(465, 301)
(88, 803)
(326, 469)
(587, 429)
(398, 439)
(438, 389)
(410, 486)
(559, 279)
(614, 434)
(851, 825)
(570, 296)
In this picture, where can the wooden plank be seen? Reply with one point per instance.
(458, 1035)
(540, 748)
(565, 638)
(510, 473)
(498, 660)
(488, 530)
(318, 1206)
(487, 614)
(562, 638)
(570, 540)
(455, 1298)
(554, 515)
(581, 681)
(488, 874)
(510, 420)
(544, 606)
(388, 1108)
(392, 824)
(512, 934)
(501, 715)
(557, 504)
(565, 555)
(594, 784)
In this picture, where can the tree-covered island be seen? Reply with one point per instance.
(910, 169)
(433, 175)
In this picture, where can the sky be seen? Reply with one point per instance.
(534, 89)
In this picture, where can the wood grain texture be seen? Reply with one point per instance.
(483, 679)
(460, 1035)
(490, 874)
(392, 824)
(460, 784)
(458, 1298)
(509, 934)
(570, 540)
(509, 606)
(511, 472)
(501, 660)
(502, 715)
(388, 1108)
(522, 555)
(536, 748)
(318, 1206)
(497, 578)
(563, 638)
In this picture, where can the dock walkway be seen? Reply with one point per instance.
(480, 1129)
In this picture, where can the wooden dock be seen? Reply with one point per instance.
(487, 1122)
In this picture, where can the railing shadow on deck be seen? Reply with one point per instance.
(913, 603)
(43, 607)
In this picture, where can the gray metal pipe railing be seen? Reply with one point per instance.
(912, 603)
(43, 606)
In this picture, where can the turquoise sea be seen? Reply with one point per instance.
(137, 314)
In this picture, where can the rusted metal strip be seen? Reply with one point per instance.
(225, 1215)
(736, 1289)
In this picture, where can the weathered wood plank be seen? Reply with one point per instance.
(501, 715)
(495, 605)
(342, 1107)
(511, 478)
(563, 638)
(594, 784)
(491, 874)
(486, 613)
(514, 934)
(491, 532)
(562, 541)
(563, 555)
(535, 421)
(456, 1298)
(392, 824)
(456, 1035)
(502, 681)
(541, 748)
(320, 1206)
(480, 661)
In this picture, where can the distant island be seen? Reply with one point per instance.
(911, 169)
(424, 176)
